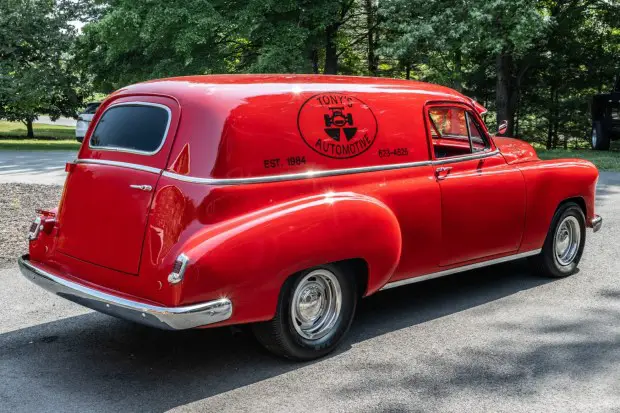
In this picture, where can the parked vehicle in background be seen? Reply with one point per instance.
(606, 118)
(281, 200)
(84, 120)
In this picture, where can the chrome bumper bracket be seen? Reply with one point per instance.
(167, 318)
(597, 223)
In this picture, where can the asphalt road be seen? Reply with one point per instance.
(34, 167)
(498, 339)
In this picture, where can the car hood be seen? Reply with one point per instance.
(515, 150)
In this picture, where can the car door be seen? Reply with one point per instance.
(482, 197)
(109, 189)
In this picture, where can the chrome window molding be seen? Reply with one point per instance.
(478, 155)
(127, 150)
(463, 268)
(119, 164)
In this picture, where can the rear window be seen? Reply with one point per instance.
(132, 128)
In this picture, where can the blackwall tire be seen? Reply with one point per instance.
(315, 310)
(564, 243)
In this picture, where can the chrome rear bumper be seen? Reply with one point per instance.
(167, 318)
(597, 222)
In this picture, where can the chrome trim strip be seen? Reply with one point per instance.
(479, 155)
(167, 318)
(119, 164)
(460, 269)
(291, 177)
(119, 149)
(597, 223)
(320, 174)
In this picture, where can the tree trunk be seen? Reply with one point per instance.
(517, 118)
(551, 118)
(314, 57)
(408, 71)
(458, 86)
(29, 128)
(549, 131)
(504, 98)
(556, 118)
(373, 65)
(331, 51)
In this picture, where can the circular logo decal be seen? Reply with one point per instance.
(337, 125)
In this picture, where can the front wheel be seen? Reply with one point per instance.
(314, 312)
(564, 244)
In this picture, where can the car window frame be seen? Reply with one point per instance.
(127, 150)
(469, 111)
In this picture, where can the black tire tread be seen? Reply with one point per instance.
(273, 336)
(543, 264)
(603, 142)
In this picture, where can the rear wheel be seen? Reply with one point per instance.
(314, 312)
(600, 138)
(564, 244)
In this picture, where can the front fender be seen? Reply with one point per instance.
(548, 184)
(247, 259)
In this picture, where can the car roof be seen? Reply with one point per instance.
(179, 87)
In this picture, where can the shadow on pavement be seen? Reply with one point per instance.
(95, 362)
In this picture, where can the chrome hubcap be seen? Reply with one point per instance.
(316, 304)
(567, 240)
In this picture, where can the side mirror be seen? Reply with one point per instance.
(503, 127)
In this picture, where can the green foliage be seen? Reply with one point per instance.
(604, 160)
(36, 73)
(534, 62)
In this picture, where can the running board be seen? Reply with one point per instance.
(460, 269)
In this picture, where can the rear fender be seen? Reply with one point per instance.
(248, 259)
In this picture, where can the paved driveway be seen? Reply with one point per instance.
(498, 339)
(34, 167)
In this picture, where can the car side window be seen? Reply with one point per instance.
(478, 140)
(455, 132)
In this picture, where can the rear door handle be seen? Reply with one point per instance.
(442, 172)
(146, 188)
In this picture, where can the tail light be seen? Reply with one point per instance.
(44, 222)
(178, 270)
(35, 229)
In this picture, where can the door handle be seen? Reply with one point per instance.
(146, 188)
(442, 172)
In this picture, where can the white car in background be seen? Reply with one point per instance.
(84, 120)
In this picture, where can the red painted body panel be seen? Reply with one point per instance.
(516, 151)
(244, 240)
(483, 210)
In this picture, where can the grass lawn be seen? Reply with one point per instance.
(13, 136)
(39, 144)
(604, 160)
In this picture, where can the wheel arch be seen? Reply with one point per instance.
(250, 259)
(577, 200)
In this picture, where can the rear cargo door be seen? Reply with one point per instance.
(109, 190)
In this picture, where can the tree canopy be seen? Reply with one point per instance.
(36, 73)
(535, 63)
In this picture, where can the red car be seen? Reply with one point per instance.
(279, 201)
